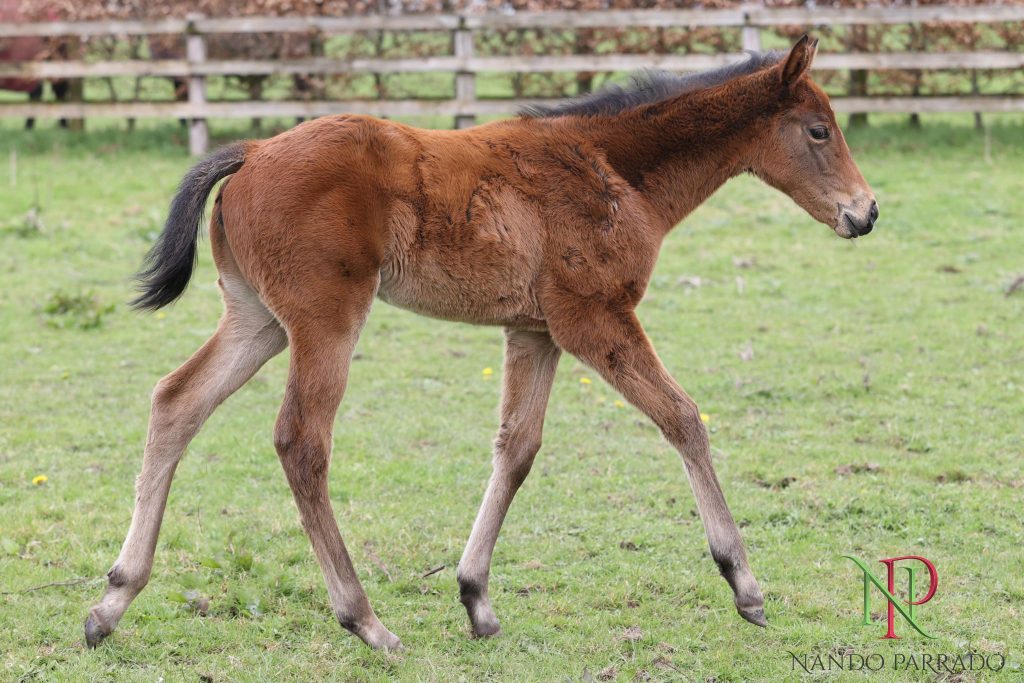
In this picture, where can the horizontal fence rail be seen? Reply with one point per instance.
(452, 107)
(465, 106)
(511, 64)
(752, 15)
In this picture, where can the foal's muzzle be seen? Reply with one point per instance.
(857, 226)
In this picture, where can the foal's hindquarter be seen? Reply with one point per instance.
(524, 224)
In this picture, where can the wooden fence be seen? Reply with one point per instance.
(465, 105)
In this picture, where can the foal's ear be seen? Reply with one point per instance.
(799, 59)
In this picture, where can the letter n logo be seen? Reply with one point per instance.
(888, 589)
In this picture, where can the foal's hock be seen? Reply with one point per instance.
(548, 224)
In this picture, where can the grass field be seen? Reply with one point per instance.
(864, 399)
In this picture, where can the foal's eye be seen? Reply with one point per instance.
(819, 132)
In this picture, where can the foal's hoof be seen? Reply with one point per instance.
(379, 637)
(392, 643)
(486, 628)
(482, 620)
(94, 633)
(754, 616)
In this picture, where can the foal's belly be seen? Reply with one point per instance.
(481, 272)
(460, 302)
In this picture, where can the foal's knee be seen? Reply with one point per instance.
(514, 454)
(172, 409)
(285, 434)
(305, 456)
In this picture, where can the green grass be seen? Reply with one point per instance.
(900, 351)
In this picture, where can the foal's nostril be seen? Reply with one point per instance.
(873, 213)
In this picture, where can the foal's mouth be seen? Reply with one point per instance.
(847, 226)
(850, 227)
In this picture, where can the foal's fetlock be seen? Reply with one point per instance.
(473, 596)
(748, 598)
(750, 604)
(483, 620)
(104, 615)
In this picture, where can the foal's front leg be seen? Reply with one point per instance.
(531, 359)
(614, 344)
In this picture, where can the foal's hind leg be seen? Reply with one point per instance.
(624, 356)
(531, 359)
(321, 349)
(245, 339)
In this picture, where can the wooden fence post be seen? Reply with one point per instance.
(195, 53)
(465, 81)
(751, 31)
(857, 41)
(74, 87)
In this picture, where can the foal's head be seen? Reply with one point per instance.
(805, 155)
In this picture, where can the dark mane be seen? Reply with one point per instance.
(648, 87)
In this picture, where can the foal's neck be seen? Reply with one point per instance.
(678, 152)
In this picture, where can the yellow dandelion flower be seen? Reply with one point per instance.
(40, 479)
(161, 315)
(584, 380)
(488, 372)
(619, 404)
(705, 418)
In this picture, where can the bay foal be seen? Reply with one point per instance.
(548, 225)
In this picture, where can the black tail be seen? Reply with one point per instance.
(169, 264)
